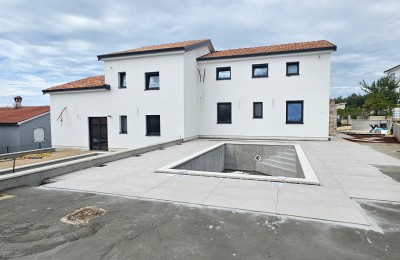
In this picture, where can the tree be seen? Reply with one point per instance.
(376, 102)
(383, 91)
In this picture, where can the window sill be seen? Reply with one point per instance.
(257, 77)
(257, 118)
(294, 123)
(220, 123)
(121, 87)
(123, 133)
(152, 89)
(153, 134)
(289, 75)
(225, 79)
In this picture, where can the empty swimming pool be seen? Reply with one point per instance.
(255, 161)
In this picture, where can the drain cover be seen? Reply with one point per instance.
(83, 215)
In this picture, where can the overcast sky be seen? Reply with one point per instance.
(46, 43)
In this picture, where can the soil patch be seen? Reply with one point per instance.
(82, 216)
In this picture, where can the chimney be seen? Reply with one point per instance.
(18, 101)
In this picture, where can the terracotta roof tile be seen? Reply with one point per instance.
(160, 47)
(10, 115)
(271, 49)
(86, 83)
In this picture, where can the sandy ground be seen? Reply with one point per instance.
(6, 164)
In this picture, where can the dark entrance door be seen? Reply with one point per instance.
(98, 133)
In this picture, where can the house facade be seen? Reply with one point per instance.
(24, 127)
(393, 72)
(161, 93)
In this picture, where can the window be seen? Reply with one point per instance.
(152, 80)
(153, 125)
(122, 80)
(38, 134)
(260, 70)
(123, 124)
(294, 112)
(224, 73)
(257, 110)
(224, 113)
(292, 68)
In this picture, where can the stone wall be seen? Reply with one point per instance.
(332, 118)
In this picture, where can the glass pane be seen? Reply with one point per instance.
(293, 69)
(224, 74)
(257, 110)
(153, 125)
(38, 134)
(224, 113)
(124, 80)
(294, 113)
(154, 81)
(124, 124)
(259, 72)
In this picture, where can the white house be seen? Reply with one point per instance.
(393, 72)
(171, 91)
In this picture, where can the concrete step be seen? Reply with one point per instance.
(283, 159)
(273, 170)
(291, 151)
(286, 155)
(284, 165)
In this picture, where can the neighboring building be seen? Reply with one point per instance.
(165, 92)
(341, 105)
(394, 72)
(24, 128)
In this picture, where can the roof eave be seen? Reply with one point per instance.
(395, 67)
(126, 54)
(105, 87)
(331, 48)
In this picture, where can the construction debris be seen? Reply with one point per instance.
(83, 215)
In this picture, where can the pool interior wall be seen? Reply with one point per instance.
(241, 157)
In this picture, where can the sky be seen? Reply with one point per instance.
(44, 43)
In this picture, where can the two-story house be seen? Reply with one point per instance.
(171, 91)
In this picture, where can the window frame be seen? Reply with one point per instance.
(218, 114)
(257, 66)
(220, 69)
(292, 63)
(121, 130)
(147, 76)
(120, 81)
(148, 133)
(302, 112)
(254, 110)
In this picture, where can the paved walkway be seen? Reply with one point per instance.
(344, 169)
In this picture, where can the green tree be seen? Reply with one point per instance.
(376, 102)
(383, 92)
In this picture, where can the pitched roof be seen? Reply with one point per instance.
(271, 50)
(395, 67)
(89, 83)
(9, 115)
(185, 45)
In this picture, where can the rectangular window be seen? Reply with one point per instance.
(123, 124)
(294, 112)
(292, 68)
(224, 73)
(153, 125)
(257, 110)
(260, 70)
(152, 80)
(224, 113)
(122, 80)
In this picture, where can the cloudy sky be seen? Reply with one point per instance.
(45, 43)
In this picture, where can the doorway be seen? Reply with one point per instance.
(98, 136)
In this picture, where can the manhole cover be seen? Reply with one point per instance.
(83, 215)
(5, 196)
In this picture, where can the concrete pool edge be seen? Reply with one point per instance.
(310, 176)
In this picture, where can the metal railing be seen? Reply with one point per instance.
(20, 148)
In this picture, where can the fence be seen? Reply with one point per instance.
(20, 148)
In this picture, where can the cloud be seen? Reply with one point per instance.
(48, 42)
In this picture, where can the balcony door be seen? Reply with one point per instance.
(98, 137)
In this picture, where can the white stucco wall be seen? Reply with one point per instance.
(312, 86)
(135, 102)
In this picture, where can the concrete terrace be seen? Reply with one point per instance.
(345, 170)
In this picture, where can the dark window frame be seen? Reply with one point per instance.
(219, 120)
(302, 112)
(148, 133)
(220, 69)
(254, 110)
(120, 79)
(121, 128)
(292, 63)
(147, 76)
(257, 66)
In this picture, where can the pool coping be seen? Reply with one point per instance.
(310, 176)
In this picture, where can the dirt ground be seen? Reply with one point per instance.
(6, 164)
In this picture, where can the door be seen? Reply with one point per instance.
(98, 137)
